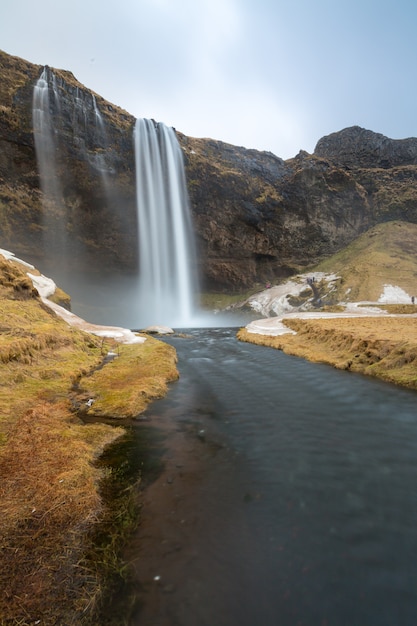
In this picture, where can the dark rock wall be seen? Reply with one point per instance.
(256, 217)
(259, 218)
(358, 147)
(99, 219)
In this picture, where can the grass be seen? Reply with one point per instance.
(49, 501)
(137, 376)
(385, 347)
(218, 300)
(50, 492)
(383, 255)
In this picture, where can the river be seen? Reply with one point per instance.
(288, 496)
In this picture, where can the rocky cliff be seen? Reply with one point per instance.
(98, 219)
(256, 217)
(358, 147)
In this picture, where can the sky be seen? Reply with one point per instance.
(273, 75)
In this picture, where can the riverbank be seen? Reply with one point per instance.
(52, 496)
(380, 345)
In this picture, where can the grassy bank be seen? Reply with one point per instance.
(50, 499)
(385, 347)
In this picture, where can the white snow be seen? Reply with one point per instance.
(271, 326)
(394, 295)
(123, 335)
(9, 256)
(275, 299)
(274, 326)
(45, 286)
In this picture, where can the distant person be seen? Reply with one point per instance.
(412, 299)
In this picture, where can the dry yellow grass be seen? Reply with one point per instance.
(385, 347)
(49, 491)
(136, 377)
(49, 501)
(385, 254)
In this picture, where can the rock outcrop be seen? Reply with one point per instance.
(358, 147)
(257, 218)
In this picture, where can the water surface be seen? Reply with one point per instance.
(303, 508)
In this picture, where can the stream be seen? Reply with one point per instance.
(287, 495)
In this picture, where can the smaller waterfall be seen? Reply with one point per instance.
(44, 135)
(166, 249)
(98, 117)
(46, 153)
(99, 159)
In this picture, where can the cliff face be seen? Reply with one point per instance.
(93, 161)
(256, 217)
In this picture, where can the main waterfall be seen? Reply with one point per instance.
(85, 201)
(166, 250)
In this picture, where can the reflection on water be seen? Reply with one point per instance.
(306, 512)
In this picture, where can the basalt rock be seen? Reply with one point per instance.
(358, 147)
(257, 218)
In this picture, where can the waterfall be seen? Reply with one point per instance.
(45, 141)
(66, 119)
(45, 116)
(101, 154)
(98, 117)
(166, 250)
(68, 125)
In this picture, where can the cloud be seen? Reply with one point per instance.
(274, 74)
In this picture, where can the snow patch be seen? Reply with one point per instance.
(394, 295)
(275, 299)
(9, 256)
(45, 286)
(122, 335)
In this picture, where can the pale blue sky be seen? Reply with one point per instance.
(268, 74)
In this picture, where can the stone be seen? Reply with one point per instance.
(159, 330)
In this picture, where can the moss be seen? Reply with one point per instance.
(137, 375)
(50, 497)
(218, 300)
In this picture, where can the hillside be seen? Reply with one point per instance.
(51, 498)
(379, 266)
(384, 255)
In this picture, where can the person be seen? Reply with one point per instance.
(412, 299)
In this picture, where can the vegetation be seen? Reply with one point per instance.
(386, 254)
(221, 301)
(385, 347)
(50, 498)
(381, 346)
(141, 376)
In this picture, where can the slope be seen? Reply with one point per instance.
(384, 255)
(50, 496)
